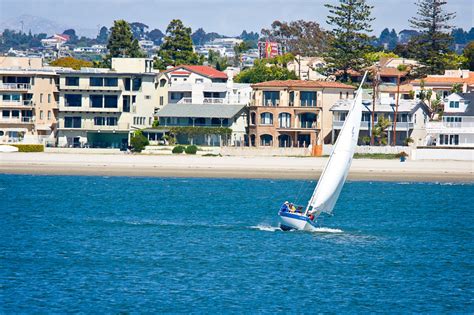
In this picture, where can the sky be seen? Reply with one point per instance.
(228, 17)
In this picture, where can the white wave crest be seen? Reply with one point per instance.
(267, 228)
(327, 230)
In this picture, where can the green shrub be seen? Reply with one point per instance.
(178, 149)
(191, 149)
(138, 141)
(29, 147)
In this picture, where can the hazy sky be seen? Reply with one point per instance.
(227, 17)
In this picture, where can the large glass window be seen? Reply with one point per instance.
(110, 101)
(308, 120)
(126, 83)
(136, 84)
(99, 121)
(454, 104)
(72, 81)
(112, 121)
(308, 99)
(96, 101)
(266, 118)
(96, 81)
(73, 100)
(11, 97)
(72, 122)
(111, 81)
(284, 120)
(271, 98)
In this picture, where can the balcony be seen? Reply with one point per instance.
(450, 127)
(16, 104)
(17, 120)
(185, 100)
(364, 125)
(89, 125)
(15, 86)
(213, 100)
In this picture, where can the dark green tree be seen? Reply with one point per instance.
(433, 41)
(177, 47)
(138, 141)
(120, 39)
(72, 35)
(469, 54)
(351, 21)
(263, 70)
(103, 35)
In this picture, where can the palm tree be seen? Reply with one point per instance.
(380, 130)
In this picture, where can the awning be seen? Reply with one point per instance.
(43, 127)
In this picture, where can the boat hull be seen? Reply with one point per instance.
(294, 221)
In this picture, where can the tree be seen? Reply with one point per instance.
(135, 51)
(468, 53)
(200, 37)
(138, 141)
(265, 71)
(103, 35)
(388, 38)
(299, 37)
(70, 62)
(120, 39)
(351, 21)
(214, 59)
(72, 35)
(433, 41)
(380, 130)
(177, 47)
(373, 57)
(456, 88)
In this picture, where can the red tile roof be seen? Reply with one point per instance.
(302, 84)
(447, 80)
(202, 70)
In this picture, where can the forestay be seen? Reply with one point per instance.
(335, 173)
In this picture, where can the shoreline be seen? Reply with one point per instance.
(229, 167)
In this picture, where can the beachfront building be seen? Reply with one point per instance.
(201, 96)
(443, 84)
(293, 113)
(99, 107)
(411, 119)
(28, 101)
(456, 127)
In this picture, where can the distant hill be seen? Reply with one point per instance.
(38, 25)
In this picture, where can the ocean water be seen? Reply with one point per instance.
(126, 244)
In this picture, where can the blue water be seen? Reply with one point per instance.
(122, 244)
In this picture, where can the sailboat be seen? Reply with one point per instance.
(333, 177)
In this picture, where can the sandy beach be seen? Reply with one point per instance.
(228, 167)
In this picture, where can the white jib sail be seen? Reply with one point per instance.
(335, 173)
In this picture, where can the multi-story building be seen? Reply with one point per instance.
(99, 107)
(201, 96)
(412, 116)
(294, 112)
(443, 84)
(306, 68)
(456, 127)
(28, 101)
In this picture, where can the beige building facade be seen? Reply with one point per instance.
(293, 113)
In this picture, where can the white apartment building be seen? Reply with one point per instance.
(412, 116)
(100, 107)
(456, 128)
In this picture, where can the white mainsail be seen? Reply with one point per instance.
(335, 173)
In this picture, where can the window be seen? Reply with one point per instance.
(99, 121)
(266, 118)
(284, 120)
(453, 104)
(96, 81)
(136, 84)
(148, 97)
(72, 81)
(110, 101)
(366, 117)
(342, 116)
(448, 139)
(111, 121)
(126, 83)
(41, 97)
(110, 81)
(49, 98)
(126, 103)
(161, 100)
(11, 97)
(5, 113)
(72, 100)
(163, 82)
(72, 122)
(292, 98)
(49, 115)
(41, 114)
(16, 113)
(199, 80)
(252, 118)
(271, 98)
(308, 99)
(96, 101)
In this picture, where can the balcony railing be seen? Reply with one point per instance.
(186, 100)
(446, 126)
(364, 125)
(17, 120)
(15, 86)
(308, 124)
(12, 103)
(213, 100)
